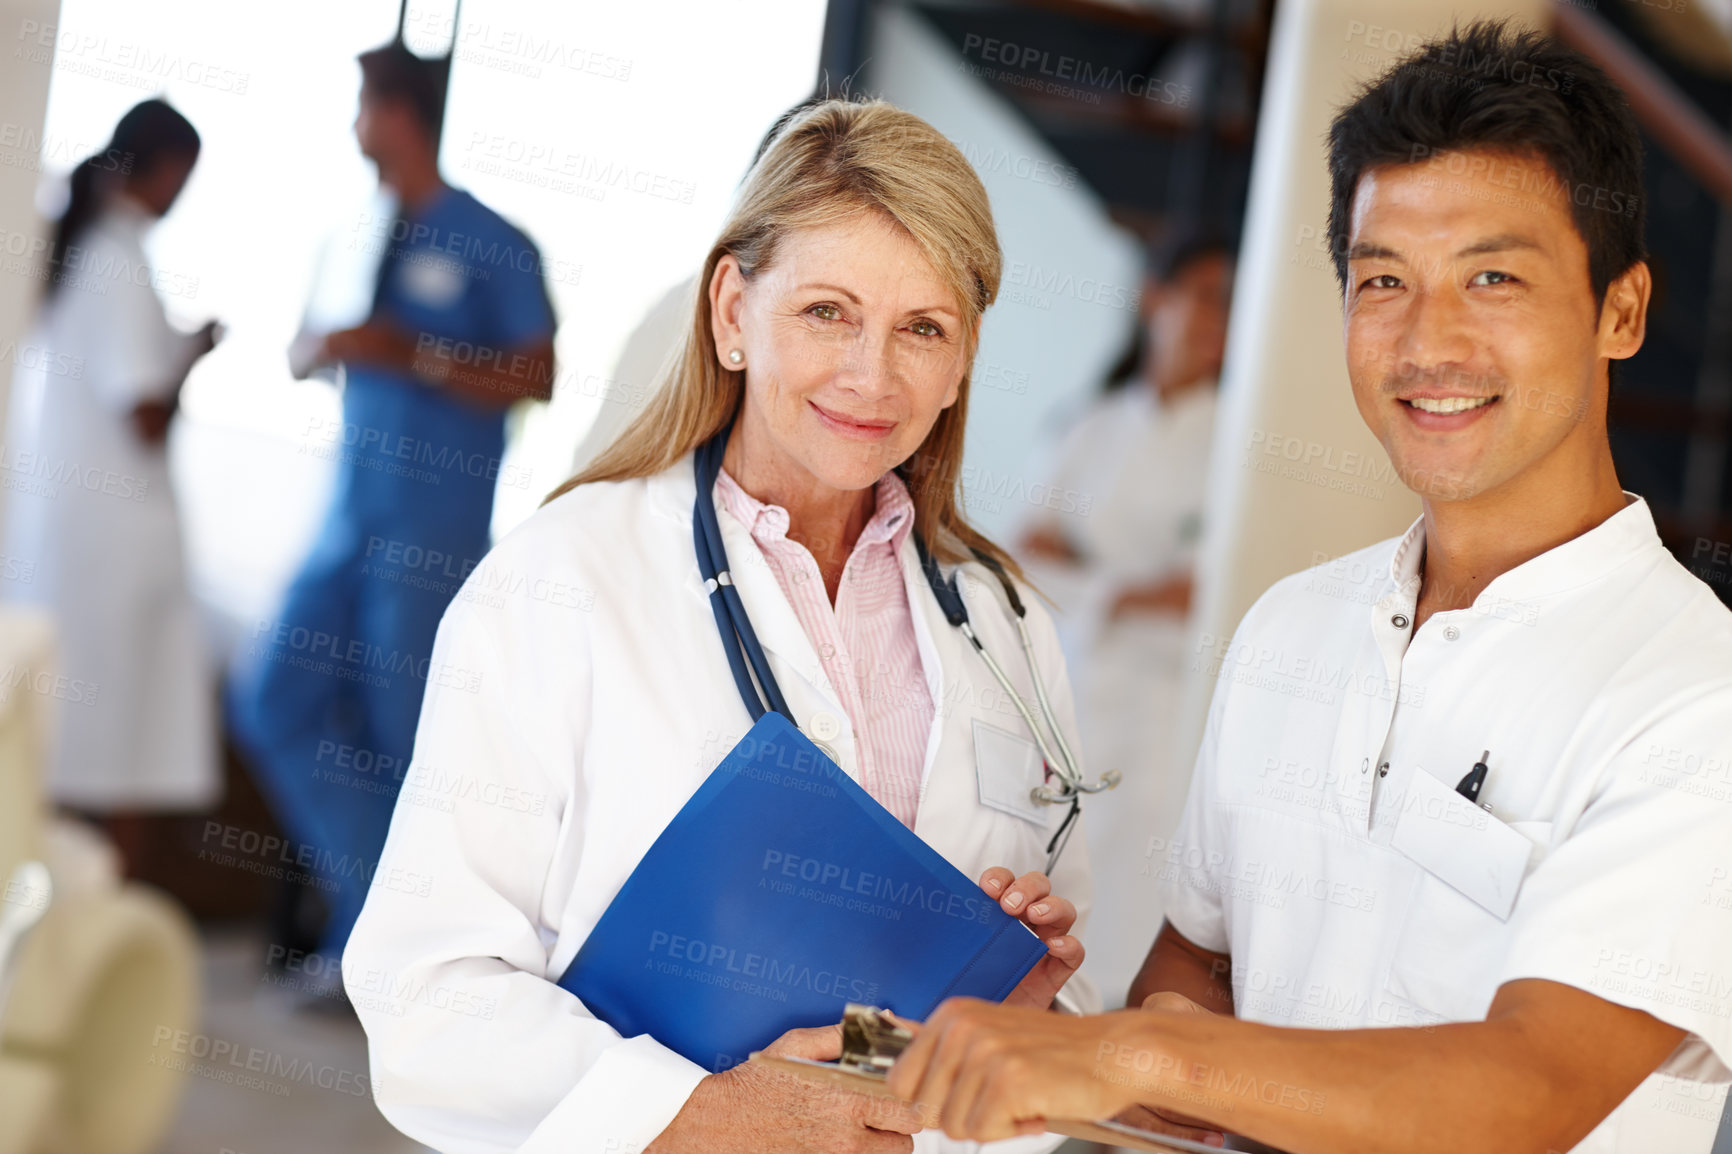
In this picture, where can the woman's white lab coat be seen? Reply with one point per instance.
(578, 695)
(95, 526)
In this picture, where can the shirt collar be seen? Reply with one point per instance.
(433, 204)
(1576, 562)
(892, 518)
(1404, 564)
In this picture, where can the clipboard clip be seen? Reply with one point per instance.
(871, 1042)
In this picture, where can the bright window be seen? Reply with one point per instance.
(616, 145)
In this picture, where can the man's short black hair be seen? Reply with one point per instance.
(1489, 87)
(395, 73)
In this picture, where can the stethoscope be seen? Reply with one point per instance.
(746, 658)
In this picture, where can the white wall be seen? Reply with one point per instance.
(1068, 301)
(24, 96)
(25, 640)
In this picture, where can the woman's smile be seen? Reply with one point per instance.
(853, 428)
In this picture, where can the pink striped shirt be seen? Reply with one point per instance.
(866, 641)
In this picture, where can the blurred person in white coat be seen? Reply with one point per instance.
(94, 521)
(1135, 468)
(585, 693)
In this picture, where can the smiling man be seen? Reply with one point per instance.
(1449, 875)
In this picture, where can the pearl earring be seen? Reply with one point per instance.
(735, 356)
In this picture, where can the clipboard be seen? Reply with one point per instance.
(876, 1086)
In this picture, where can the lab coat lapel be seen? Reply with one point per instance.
(779, 630)
(939, 647)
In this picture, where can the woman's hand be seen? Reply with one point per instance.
(150, 421)
(207, 338)
(1171, 597)
(1029, 899)
(1048, 543)
(755, 1110)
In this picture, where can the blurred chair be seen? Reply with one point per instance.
(100, 998)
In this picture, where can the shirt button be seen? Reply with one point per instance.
(1450, 633)
(826, 726)
(1399, 621)
(828, 751)
(1383, 770)
(1364, 764)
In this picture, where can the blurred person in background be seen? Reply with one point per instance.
(1122, 573)
(136, 727)
(460, 329)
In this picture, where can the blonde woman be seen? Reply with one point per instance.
(581, 692)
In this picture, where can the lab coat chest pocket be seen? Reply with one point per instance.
(1449, 948)
(1008, 769)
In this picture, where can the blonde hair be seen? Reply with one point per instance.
(823, 166)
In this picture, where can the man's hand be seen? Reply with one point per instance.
(753, 1110)
(1029, 898)
(1169, 1121)
(373, 343)
(1001, 1071)
(494, 378)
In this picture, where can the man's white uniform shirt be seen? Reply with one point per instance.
(1598, 675)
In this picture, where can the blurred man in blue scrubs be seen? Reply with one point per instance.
(460, 329)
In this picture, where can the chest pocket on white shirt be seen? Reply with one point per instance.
(1008, 768)
(1449, 948)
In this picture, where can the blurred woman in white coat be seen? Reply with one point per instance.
(97, 517)
(1122, 577)
(581, 691)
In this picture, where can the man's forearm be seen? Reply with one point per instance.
(490, 376)
(1483, 1086)
(1548, 1063)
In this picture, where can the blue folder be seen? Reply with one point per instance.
(781, 892)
